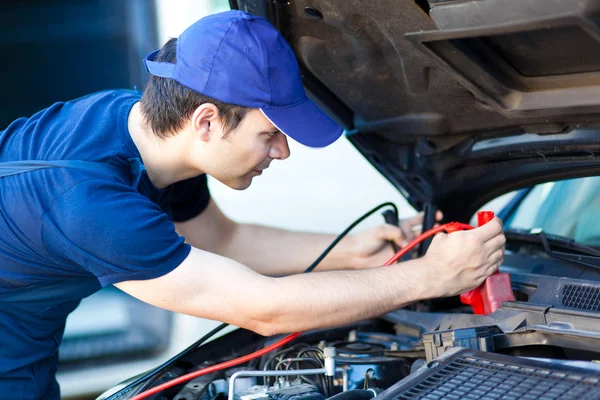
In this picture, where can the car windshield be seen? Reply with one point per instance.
(569, 208)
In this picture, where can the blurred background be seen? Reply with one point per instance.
(62, 49)
(59, 50)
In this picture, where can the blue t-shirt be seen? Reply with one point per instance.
(65, 233)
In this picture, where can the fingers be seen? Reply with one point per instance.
(489, 230)
(392, 233)
(413, 226)
(494, 262)
(439, 216)
(495, 243)
(492, 265)
(418, 219)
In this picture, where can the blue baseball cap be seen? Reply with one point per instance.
(242, 59)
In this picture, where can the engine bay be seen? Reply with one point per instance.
(549, 337)
(541, 343)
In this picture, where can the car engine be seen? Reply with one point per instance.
(543, 346)
(544, 343)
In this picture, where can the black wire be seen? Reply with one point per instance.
(284, 351)
(314, 350)
(348, 229)
(330, 385)
(173, 360)
(317, 354)
(280, 355)
(219, 328)
(289, 364)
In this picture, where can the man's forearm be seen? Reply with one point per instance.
(269, 251)
(278, 252)
(210, 286)
(334, 298)
(305, 301)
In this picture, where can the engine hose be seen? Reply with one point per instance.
(354, 394)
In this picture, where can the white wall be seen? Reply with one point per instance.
(176, 15)
(319, 190)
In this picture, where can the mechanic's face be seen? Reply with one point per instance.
(247, 150)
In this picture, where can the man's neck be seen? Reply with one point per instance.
(164, 158)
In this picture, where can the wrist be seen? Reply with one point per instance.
(344, 255)
(424, 278)
(352, 257)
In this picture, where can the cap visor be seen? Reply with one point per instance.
(306, 123)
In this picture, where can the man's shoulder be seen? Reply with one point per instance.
(94, 200)
(108, 94)
(91, 188)
(105, 97)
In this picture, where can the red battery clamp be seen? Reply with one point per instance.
(497, 288)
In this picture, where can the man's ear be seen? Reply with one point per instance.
(206, 122)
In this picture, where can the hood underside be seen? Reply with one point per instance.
(454, 101)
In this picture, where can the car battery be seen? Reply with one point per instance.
(476, 338)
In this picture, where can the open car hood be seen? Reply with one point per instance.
(454, 101)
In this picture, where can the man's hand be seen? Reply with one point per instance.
(371, 248)
(462, 260)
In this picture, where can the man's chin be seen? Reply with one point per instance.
(238, 184)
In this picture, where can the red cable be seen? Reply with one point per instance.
(217, 367)
(451, 227)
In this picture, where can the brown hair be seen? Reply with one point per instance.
(167, 105)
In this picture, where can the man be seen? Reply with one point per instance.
(115, 180)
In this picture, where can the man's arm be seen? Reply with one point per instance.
(278, 252)
(214, 287)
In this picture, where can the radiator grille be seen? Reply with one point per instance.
(581, 297)
(471, 378)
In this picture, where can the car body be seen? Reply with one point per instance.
(462, 105)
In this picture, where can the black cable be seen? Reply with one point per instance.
(284, 351)
(391, 217)
(330, 385)
(219, 328)
(315, 350)
(348, 229)
(267, 379)
(317, 355)
(149, 377)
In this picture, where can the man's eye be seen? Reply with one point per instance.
(272, 134)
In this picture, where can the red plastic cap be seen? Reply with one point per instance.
(473, 298)
(495, 290)
(483, 217)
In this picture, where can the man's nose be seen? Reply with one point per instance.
(280, 149)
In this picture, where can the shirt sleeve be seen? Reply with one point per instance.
(113, 232)
(186, 199)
